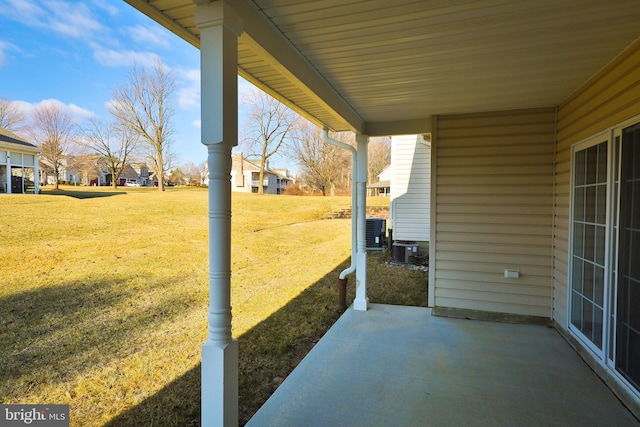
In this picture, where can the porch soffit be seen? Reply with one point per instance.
(377, 66)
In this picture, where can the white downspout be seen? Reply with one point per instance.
(354, 200)
(361, 301)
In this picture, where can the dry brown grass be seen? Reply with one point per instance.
(103, 297)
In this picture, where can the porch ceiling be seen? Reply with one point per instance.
(381, 67)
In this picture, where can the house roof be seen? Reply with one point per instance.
(9, 139)
(382, 68)
(380, 184)
(254, 167)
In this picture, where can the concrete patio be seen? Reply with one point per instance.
(401, 366)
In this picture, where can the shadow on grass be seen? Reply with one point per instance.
(267, 354)
(273, 348)
(48, 334)
(87, 194)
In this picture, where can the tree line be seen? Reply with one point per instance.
(139, 128)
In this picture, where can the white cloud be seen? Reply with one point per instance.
(77, 114)
(107, 7)
(124, 58)
(4, 47)
(69, 19)
(73, 20)
(189, 88)
(28, 13)
(145, 35)
(197, 123)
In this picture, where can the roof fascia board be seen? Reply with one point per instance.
(402, 127)
(147, 9)
(262, 37)
(19, 148)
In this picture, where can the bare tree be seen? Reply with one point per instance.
(191, 173)
(328, 168)
(11, 116)
(379, 156)
(144, 106)
(54, 132)
(271, 124)
(113, 145)
(323, 165)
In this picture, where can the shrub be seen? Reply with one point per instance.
(294, 190)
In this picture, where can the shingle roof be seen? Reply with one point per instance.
(10, 137)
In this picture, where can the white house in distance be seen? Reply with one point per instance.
(92, 170)
(18, 164)
(142, 170)
(410, 199)
(382, 187)
(245, 177)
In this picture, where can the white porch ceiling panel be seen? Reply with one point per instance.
(378, 66)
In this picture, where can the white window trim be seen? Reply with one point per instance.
(601, 355)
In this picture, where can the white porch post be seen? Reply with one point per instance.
(219, 30)
(361, 302)
(9, 172)
(36, 176)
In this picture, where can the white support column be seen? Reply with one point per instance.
(361, 302)
(9, 172)
(36, 176)
(219, 30)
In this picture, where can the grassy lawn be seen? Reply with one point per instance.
(103, 297)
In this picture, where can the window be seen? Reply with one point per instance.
(628, 296)
(589, 226)
(604, 270)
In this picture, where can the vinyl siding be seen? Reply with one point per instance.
(494, 210)
(610, 97)
(410, 188)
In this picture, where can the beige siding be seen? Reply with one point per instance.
(610, 97)
(494, 204)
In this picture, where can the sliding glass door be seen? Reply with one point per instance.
(628, 296)
(604, 266)
(589, 241)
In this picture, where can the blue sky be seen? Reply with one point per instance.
(76, 52)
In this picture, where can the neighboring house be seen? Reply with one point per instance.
(142, 171)
(128, 175)
(18, 164)
(67, 171)
(533, 108)
(75, 170)
(383, 186)
(91, 170)
(83, 169)
(245, 177)
(410, 200)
